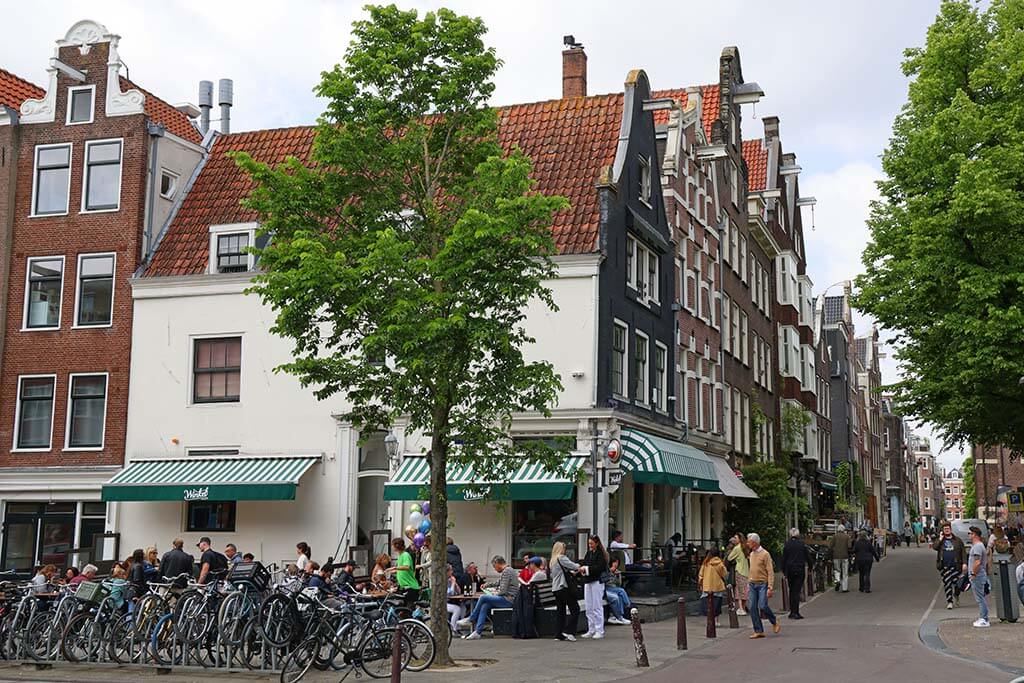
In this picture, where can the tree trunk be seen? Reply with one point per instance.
(438, 547)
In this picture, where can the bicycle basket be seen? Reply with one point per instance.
(252, 573)
(91, 592)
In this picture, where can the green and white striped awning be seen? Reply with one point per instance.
(216, 478)
(654, 460)
(528, 481)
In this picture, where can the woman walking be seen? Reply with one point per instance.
(738, 556)
(596, 564)
(711, 582)
(563, 586)
(865, 554)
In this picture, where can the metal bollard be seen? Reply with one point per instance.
(734, 620)
(638, 639)
(810, 584)
(681, 625)
(396, 655)
(711, 628)
(785, 593)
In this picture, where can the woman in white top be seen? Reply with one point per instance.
(454, 610)
(305, 555)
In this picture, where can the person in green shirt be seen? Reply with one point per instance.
(738, 556)
(405, 572)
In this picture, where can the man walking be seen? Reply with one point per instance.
(951, 561)
(796, 558)
(762, 576)
(840, 547)
(979, 575)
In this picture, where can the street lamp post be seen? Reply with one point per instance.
(391, 447)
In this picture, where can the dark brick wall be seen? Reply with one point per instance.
(70, 350)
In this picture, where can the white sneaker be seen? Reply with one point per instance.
(597, 636)
(981, 623)
(741, 612)
(570, 637)
(949, 605)
(475, 635)
(462, 623)
(588, 634)
(625, 622)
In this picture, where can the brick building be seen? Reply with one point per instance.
(90, 165)
(953, 488)
(898, 467)
(997, 469)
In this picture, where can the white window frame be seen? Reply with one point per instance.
(35, 179)
(78, 291)
(92, 104)
(24, 306)
(631, 251)
(743, 262)
(625, 360)
(661, 403)
(85, 174)
(726, 322)
(646, 180)
(17, 414)
(67, 412)
(744, 338)
(643, 398)
(231, 228)
(174, 188)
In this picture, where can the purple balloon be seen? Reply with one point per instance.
(418, 540)
(425, 508)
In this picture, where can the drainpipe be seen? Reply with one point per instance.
(156, 131)
(8, 162)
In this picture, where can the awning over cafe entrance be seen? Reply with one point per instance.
(654, 460)
(527, 481)
(215, 478)
(730, 484)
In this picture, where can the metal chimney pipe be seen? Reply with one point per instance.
(205, 105)
(225, 98)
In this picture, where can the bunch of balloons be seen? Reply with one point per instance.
(419, 524)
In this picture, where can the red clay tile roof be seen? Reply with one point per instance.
(216, 195)
(569, 141)
(14, 90)
(710, 96)
(163, 113)
(756, 156)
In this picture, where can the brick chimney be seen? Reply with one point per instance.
(574, 72)
(771, 127)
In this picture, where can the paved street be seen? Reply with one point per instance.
(853, 637)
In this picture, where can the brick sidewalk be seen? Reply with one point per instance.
(1001, 643)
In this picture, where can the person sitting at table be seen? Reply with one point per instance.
(536, 573)
(527, 570)
(615, 594)
(316, 578)
(455, 610)
(346, 581)
(474, 582)
(379, 573)
(503, 596)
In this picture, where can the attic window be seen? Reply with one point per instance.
(229, 248)
(80, 104)
(168, 184)
(645, 180)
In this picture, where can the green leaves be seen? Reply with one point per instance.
(945, 265)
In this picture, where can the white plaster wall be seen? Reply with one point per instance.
(275, 416)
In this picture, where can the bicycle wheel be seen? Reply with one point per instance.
(149, 610)
(375, 652)
(192, 619)
(299, 661)
(36, 641)
(123, 645)
(77, 641)
(164, 647)
(424, 646)
(278, 619)
(230, 617)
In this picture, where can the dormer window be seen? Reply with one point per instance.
(229, 248)
(168, 184)
(81, 104)
(645, 180)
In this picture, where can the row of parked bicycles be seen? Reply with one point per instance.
(247, 618)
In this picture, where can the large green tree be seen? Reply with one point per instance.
(945, 263)
(768, 515)
(404, 253)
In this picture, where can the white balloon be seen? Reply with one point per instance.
(415, 518)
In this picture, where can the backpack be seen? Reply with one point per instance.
(571, 582)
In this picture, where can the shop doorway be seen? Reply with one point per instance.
(37, 534)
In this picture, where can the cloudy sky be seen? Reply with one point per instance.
(830, 71)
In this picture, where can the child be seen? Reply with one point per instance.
(118, 585)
